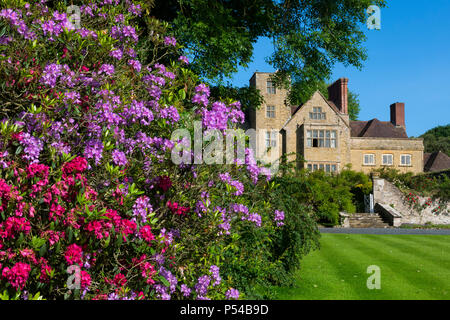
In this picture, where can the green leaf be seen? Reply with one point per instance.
(164, 281)
(43, 250)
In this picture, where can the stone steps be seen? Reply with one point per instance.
(366, 220)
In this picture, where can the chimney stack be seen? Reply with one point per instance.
(338, 94)
(398, 114)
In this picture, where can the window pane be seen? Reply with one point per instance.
(333, 134)
(333, 168)
(310, 167)
(308, 134)
(333, 143)
(327, 143)
(315, 167)
(327, 168)
(321, 167)
(314, 133)
(321, 133)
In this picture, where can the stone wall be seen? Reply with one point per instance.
(386, 193)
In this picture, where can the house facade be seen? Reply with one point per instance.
(319, 135)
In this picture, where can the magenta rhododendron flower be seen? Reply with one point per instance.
(73, 254)
(17, 276)
(164, 183)
(146, 234)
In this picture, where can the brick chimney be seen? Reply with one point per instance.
(338, 94)
(398, 114)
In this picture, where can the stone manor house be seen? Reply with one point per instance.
(318, 135)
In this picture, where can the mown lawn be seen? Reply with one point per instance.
(412, 267)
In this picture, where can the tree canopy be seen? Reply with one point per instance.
(309, 36)
(437, 139)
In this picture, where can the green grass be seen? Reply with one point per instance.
(413, 267)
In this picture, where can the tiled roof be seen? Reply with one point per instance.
(436, 161)
(376, 129)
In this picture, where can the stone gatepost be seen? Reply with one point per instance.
(377, 188)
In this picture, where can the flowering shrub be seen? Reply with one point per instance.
(86, 180)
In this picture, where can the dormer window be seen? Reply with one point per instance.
(271, 88)
(317, 114)
(270, 111)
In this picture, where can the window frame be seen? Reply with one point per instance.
(271, 138)
(410, 160)
(389, 164)
(271, 89)
(374, 159)
(317, 114)
(325, 167)
(271, 112)
(326, 139)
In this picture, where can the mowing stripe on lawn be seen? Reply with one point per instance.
(407, 270)
(312, 286)
(430, 241)
(443, 255)
(389, 290)
(398, 256)
(355, 272)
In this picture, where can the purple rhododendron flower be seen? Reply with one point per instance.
(116, 53)
(279, 218)
(107, 69)
(142, 208)
(185, 290)
(202, 285)
(183, 59)
(94, 150)
(170, 41)
(135, 64)
(32, 147)
(119, 158)
(232, 294)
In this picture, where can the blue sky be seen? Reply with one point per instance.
(409, 61)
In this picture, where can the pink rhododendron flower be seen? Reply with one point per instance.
(17, 276)
(146, 234)
(73, 254)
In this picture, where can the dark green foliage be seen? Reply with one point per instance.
(309, 36)
(437, 139)
(258, 263)
(326, 195)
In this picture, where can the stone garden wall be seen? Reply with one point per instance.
(414, 209)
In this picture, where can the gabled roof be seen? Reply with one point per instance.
(436, 161)
(296, 109)
(376, 129)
